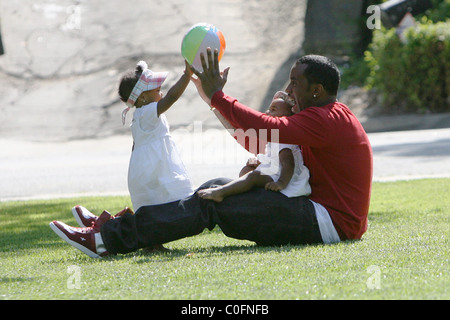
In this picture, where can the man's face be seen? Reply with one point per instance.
(299, 88)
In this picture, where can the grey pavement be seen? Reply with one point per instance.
(36, 170)
(403, 155)
(61, 134)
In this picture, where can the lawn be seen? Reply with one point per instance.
(403, 255)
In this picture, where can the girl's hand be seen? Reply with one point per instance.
(188, 69)
(253, 162)
(274, 186)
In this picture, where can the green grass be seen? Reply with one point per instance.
(403, 255)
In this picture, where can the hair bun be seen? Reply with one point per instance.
(142, 65)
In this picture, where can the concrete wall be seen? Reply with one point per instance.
(336, 28)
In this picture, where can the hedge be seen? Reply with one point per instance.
(412, 76)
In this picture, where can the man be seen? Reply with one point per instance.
(335, 148)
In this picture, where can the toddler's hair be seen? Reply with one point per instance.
(128, 81)
(284, 96)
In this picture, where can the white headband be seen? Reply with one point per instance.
(148, 80)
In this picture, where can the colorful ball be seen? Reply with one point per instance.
(198, 38)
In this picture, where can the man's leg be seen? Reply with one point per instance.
(266, 217)
(162, 223)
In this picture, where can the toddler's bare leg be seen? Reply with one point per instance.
(241, 185)
(246, 170)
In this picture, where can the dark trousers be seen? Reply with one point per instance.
(265, 217)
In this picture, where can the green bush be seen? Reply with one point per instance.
(412, 76)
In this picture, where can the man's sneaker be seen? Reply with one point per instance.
(87, 239)
(85, 218)
(122, 212)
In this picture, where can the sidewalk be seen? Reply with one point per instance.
(61, 134)
(34, 170)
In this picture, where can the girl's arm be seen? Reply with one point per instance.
(175, 91)
(287, 164)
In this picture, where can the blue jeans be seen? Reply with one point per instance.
(265, 217)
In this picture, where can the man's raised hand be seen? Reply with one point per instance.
(212, 80)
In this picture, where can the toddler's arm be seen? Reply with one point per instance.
(287, 163)
(175, 92)
(252, 164)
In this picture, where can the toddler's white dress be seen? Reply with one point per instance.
(156, 173)
(270, 165)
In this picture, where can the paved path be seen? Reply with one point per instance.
(99, 166)
(60, 131)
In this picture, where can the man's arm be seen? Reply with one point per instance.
(273, 129)
(304, 128)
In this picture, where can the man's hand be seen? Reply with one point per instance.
(212, 80)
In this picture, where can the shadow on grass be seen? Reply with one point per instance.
(25, 225)
(17, 279)
(244, 249)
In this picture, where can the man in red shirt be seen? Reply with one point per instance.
(334, 144)
(335, 148)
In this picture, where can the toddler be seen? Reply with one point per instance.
(281, 168)
(156, 173)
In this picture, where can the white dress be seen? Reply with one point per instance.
(156, 173)
(270, 165)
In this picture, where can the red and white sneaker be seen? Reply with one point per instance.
(87, 239)
(85, 218)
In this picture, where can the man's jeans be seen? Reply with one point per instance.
(265, 217)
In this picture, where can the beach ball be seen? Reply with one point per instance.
(198, 38)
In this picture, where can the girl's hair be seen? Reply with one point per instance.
(128, 81)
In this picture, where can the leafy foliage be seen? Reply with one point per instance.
(414, 75)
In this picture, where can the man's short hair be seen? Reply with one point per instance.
(321, 70)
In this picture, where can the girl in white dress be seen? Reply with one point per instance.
(156, 172)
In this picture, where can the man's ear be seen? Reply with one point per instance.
(317, 90)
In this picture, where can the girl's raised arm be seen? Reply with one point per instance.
(175, 91)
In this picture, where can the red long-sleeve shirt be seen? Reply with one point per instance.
(335, 149)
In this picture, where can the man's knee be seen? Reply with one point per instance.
(214, 183)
